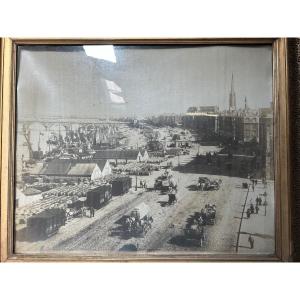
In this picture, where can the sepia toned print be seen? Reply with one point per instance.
(134, 149)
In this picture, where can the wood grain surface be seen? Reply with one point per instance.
(294, 93)
(283, 92)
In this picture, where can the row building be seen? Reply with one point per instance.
(242, 125)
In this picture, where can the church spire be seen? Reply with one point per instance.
(232, 84)
(232, 98)
(246, 104)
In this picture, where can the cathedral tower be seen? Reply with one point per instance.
(232, 98)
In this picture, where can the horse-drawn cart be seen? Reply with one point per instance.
(195, 225)
(195, 233)
(208, 214)
(165, 182)
(205, 184)
(138, 223)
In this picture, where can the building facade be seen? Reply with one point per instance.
(266, 145)
(205, 124)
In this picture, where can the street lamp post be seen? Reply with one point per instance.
(265, 203)
(136, 181)
(243, 212)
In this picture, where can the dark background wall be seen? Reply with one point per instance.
(294, 93)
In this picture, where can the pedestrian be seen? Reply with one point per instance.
(248, 213)
(257, 200)
(256, 209)
(252, 208)
(265, 183)
(92, 211)
(251, 241)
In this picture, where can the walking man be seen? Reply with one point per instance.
(251, 241)
(92, 210)
(265, 183)
(248, 213)
(257, 201)
(256, 209)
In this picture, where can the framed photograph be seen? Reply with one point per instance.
(145, 150)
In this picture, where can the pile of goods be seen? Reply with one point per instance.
(157, 154)
(55, 198)
(42, 187)
(29, 191)
(79, 190)
(135, 168)
(156, 160)
(173, 152)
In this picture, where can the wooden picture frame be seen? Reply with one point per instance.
(282, 163)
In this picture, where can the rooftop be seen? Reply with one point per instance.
(82, 169)
(116, 154)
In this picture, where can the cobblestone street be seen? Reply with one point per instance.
(100, 234)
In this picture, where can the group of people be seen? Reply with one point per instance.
(143, 184)
(255, 209)
(252, 209)
(254, 183)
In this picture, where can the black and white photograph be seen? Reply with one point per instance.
(144, 150)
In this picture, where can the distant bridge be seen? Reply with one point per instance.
(25, 124)
(67, 123)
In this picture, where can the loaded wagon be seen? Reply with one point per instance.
(121, 185)
(205, 184)
(208, 214)
(99, 196)
(138, 223)
(194, 232)
(46, 223)
(164, 183)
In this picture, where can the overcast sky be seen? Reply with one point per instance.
(65, 81)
